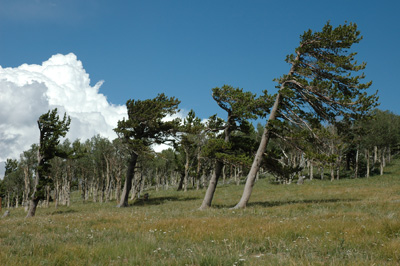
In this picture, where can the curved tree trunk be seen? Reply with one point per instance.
(251, 177)
(36, 194)
(128, 181)
(212, 186)
(208, 197)
(34, 200)
(32, 207)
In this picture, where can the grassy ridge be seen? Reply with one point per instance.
(346, 222)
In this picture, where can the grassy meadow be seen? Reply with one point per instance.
(345, 222)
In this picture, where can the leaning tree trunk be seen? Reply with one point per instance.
(38, 190)
(32, 207)
(128, 181)
(218, 168)
(33, 201)
(251, 177)
(212, 186)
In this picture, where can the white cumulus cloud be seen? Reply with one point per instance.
(28, 91)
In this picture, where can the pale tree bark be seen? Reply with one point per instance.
(16, 200)
(137, 184)
(322, 172)
(238, 174)
(100, 189)
(8, 200)
(34, 199)
(27, 188)
(164, 180)
(383, 157)
(108, 179)
(219, 164)
(382, 161)
(32, 206)
(67, 185)
(128, 181)
(95, 188)
(356, 166)
(56, 193)
(251, 177)
(118, 185)
(255, 167)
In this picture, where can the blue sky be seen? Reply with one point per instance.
(181, 48)
(185, 48)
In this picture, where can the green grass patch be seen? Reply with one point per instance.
(345, 222)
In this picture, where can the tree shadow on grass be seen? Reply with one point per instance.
(63, 211)
(267, 204)
(159, 200)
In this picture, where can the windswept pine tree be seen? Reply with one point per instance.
(52, 128)
(190, 144)
(239, 107)
(144, 127)
(322, 85)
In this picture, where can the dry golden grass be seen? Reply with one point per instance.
(345, 222)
